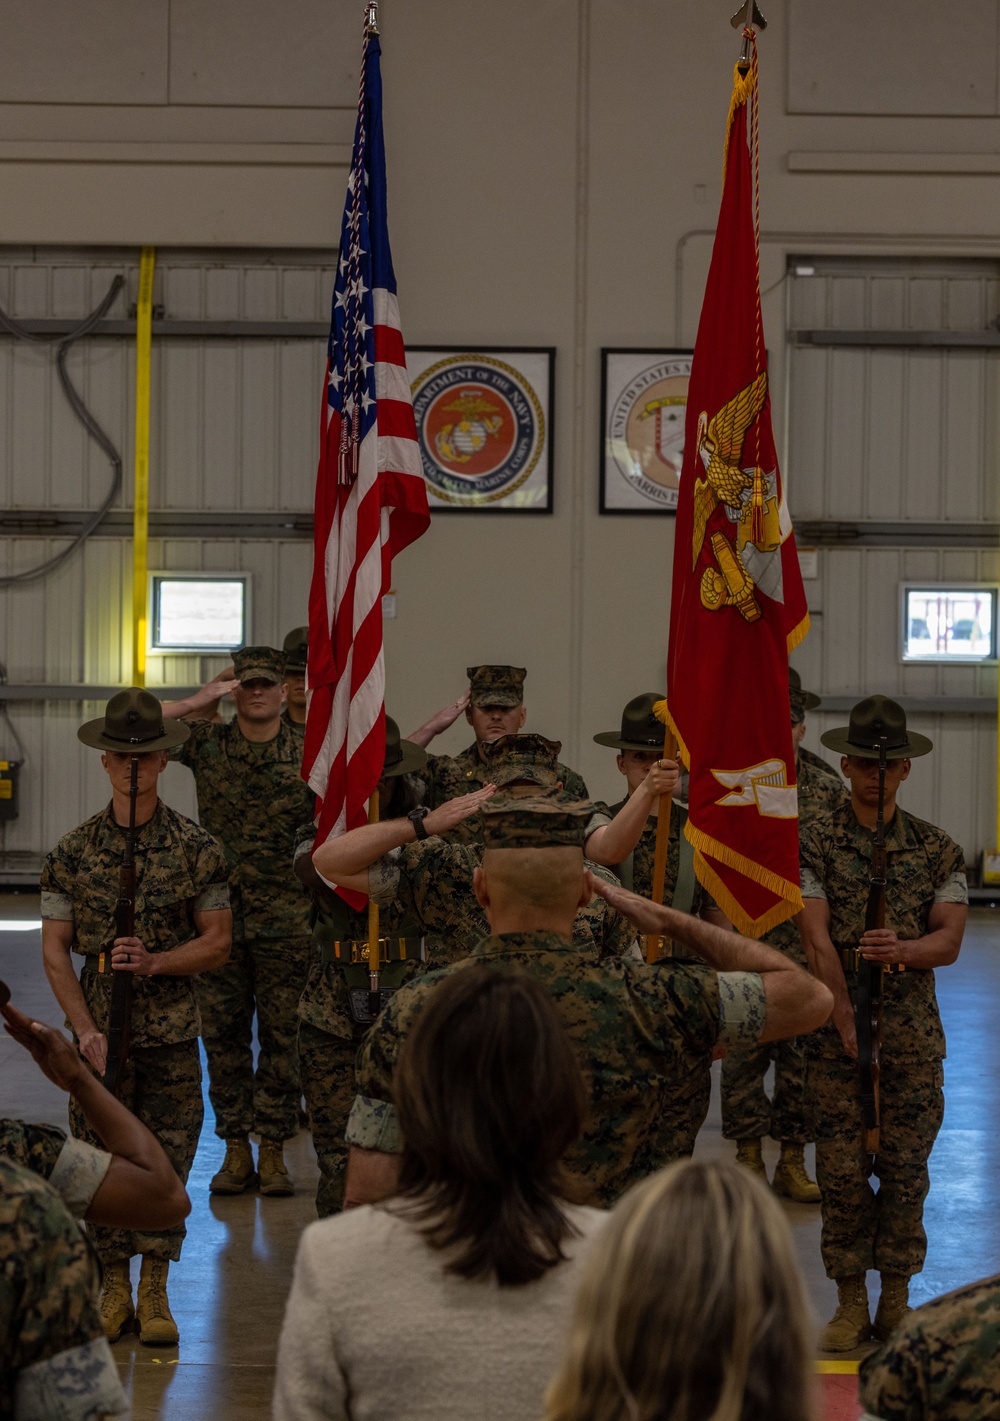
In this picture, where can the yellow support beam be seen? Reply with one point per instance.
(140, 517)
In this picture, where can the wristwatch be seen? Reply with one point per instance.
(416, 818)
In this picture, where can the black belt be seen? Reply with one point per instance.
(851, 959)
(356, 950)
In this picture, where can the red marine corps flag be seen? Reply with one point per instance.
(371, 500)
(738, 606)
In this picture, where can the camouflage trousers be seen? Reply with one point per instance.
(864, 1228)
(267, 976)
(747, 1114)
(162, 1086)
(328, 1084)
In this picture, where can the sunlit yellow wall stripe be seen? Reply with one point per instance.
(140, 520)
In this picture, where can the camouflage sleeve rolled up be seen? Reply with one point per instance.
(74, 1169)
(55, 1364)
(942, 1361)
(742, 1009)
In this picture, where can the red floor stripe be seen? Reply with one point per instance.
(840, 1398)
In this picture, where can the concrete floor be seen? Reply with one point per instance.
(228, 1292)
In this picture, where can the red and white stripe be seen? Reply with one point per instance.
(359, 528)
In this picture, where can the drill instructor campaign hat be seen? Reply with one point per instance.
(535, 822)
(801, 700)
(496, 685)
(295, 649)
(871, 718)
(259, 663)
(402, 757)
(640, 728)
(529, 757)
(133, 723)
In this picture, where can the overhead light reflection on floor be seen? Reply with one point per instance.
(20, 925)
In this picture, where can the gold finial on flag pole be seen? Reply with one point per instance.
(747, 16)
(371, 22)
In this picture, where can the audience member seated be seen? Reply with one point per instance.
(691, 1308)
(131, 1184)
(55, 1361)
(460, 1286)
(942, 1363)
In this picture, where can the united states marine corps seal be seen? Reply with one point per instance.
(645, 431)
(480, 427)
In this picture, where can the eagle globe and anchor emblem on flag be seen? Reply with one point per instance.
(480, 427)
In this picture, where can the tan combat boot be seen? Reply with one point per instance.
(237, 1170)
(791, 1179)
(152, 1309)
(850, 1324)
(274, 1178)
(748, 1154)
(116, 1308)
(893, 1305)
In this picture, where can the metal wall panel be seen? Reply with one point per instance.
(74, 627)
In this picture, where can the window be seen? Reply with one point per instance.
(945, 624)
(204, 611)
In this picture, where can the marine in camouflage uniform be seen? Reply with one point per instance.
(74, 1168)
(329, 1031)
(924, 917)
(644, 1034)
(181, 918)
(295, 653)
(55, 1361)
(252, 797)
(429, 882)
(942, 1364)
(747, 1114)
(495, 708)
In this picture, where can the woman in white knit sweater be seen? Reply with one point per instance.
(451, 1301)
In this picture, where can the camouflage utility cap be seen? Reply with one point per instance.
(522, 757)
(641, 729)
(295, 648)
(537, 822)
(871, 719)
(133, 724)
(496, 685)
(259, 663)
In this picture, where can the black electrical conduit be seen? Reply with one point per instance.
(85, 417)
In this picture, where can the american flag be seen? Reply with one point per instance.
(371, 500)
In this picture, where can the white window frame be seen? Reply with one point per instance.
(932, 585)
(187, 649)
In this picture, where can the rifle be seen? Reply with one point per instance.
(868, 996)
(120, 1019)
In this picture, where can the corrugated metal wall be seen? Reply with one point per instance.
(898, 436)
(234, 428)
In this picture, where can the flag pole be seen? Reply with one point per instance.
(747, 15)
(374, 959)
(657, 946)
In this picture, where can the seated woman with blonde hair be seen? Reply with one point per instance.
(452, 1299)
(691, 1308)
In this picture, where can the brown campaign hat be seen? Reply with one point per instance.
(133, 723)
(263, 663)
(295, 649)
(496, 685)
(872, 718)
(522, 757)
(535, 822)
(641, 730)
(402, 757)
(801, 700)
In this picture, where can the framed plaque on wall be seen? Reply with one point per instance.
(643, 410)
(484, 426)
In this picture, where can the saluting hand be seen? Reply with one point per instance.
(453, 811)
(882, 945)
(447, 715)
(642, 913)
(129, 955)
(57, 1057)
